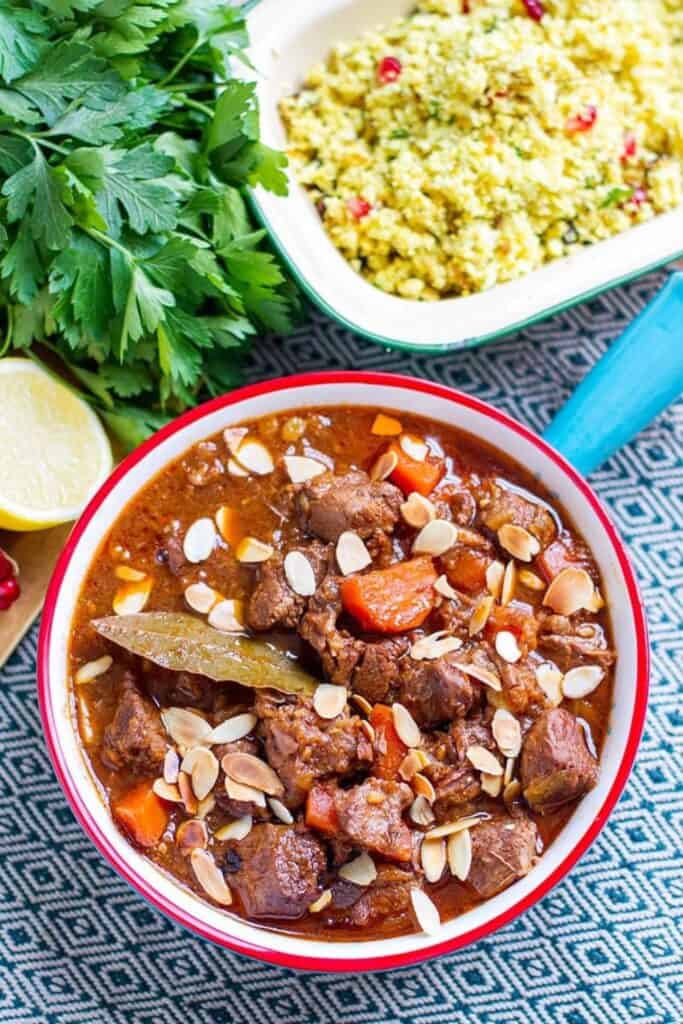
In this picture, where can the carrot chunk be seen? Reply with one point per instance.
(411, 475)
(142, 814)
(321, 812)
(394, 599)
(389, 747)
(467, 570)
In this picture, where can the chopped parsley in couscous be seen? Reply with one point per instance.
(475, 140)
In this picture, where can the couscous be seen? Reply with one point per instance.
(475, 140)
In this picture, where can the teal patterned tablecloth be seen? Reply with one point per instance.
(77, 945)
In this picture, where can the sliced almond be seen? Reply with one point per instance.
(433, 858)
(362, 703)
(507, 733)
(232, 729)
(481, 674)
(581, 681)
(414, 447)
(530, 580)
(507, 591)
(185, 728)
(252, 771)
(329, 701)
(480, 615)
(351, 553)
(201, 598)
(361, 870)
(386, 426)
(234, 436)
(323, 900)
(254, 456)
(418, 510)
(229, 523)
(368, 730)
(451, 827)
(209, 877)
(491, 784)
(549, 678)
(518, 542)
(280, 811)
(201, 764)
(512, 792)
(129, 574)
(171, 766)
(384, 466)
(443, 587)
(507, 646)
(191, 835)
(436, 538)
(234, 468)
(131, 598)
(596, 602)
(187, 793)
(251, 550)
(421, 811)
(483, 760)
(200, 540)
(234, 830)
(426, 912)
(93, 669)
(206, 806)
(509, 770)
(405, 725)
(244, 794)
(494, 578)
(460, 854)
(414, 761)
(301, 468)
(428, 648)
(167, 791)
(570, 590)
(423, 787)
(299, 573)
(227, 616)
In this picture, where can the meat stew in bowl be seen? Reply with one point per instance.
(343, 672)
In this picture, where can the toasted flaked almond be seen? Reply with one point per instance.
(191, 835)
(518, 542)
(255, 457)
(426, 912)
(368, 730)
(362, 703)
(229, 523)
(228, 616)
(549, 678)
(405, 725)
(433, 858)
(93, 669)
(571, 590)
(530, 580)
(201, 598)
(299, 573)
(245, 794)
(421, 811)
(414, 761)
(384, 466)
(483, 675)
(351, 553)
(199, 540)
(460, 854)
(512, 792)
(436, 538)
(507, 590)
(232, 729)
(480, 615)
(507, 646)
(596, 602)
(329, 701)
(428, 648)
(206, 806)
(507, 733)
(581, 681)
(185, 728)
(234, 830)
(494, 578)
(483, 760)
(414, 447)
(451, 827)
(361, 870)
(131, 598)
(167, 791)
(202, 766)
(386, 426)
(423, 787)
(171, 766)
(443, 587)
(252, 771)
(187, 793)
(234, 436)
(280, 811)
(234, 468)
(301, 468)
(209, 877)
(323, 900)
(129, 574)
(251, 550)
(491, 784)
(418, 510)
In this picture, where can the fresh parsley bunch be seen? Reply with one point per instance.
(125, 245)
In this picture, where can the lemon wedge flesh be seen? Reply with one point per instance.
(54, 452)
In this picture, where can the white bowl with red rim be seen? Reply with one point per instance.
(380, 391)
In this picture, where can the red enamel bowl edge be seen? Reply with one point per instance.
(262, 952)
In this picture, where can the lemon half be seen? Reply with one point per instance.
(54, 452)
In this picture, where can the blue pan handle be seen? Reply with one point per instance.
(638, 377)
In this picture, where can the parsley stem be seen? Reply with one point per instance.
(38, 142)
(202, 107)
(100, 236)
(208, 86)
(8, 333)
(180, 64)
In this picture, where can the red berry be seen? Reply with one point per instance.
(630, 147)
(389, 69)
(534, 8)
(9, 592)
(584, 121)
(6, 567)
(358, 207)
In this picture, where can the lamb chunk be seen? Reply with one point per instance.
(280, 872)
(175, 555)
(339, 652)
(499, 505)
(456, 785)
(568, 642)
(503, 850)
(454, 615)
(179, 689)
(566, 552)
(521, 691)
(273, 603)
(135, 740)
(388, 896)
(329, 505)
(457, 503)
(436, 691)
(518, 618)
(370, 816)
(473, 731)
(302, 747)
(378, 671)
(466, 567)
(556, 766)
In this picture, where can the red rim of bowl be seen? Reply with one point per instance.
(292, 960)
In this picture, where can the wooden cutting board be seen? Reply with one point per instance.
(37, 554)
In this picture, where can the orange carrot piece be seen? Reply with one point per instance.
(467, 570)
(142, 814)
(389, 747)
(394, 599)
(320, 810)
(411, 475)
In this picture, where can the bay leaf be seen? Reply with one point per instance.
(183, 643)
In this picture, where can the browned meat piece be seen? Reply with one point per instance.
(179, 689)
(569, 642)
(499, 505)
(339, 652)
(135, 740)
(563, 553)
(503, 850)
(436, 691)
(302, 747)
(370, 816)
(458, 504)
(174, 556)
(273, 603)
(473, 731)
(454, 615)
(377, 673)
(520, 686)
(388, 896)
(466, 567)
(329, 505)
(518, 618)
(556, 765)
(280, 872)
(456, 785)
